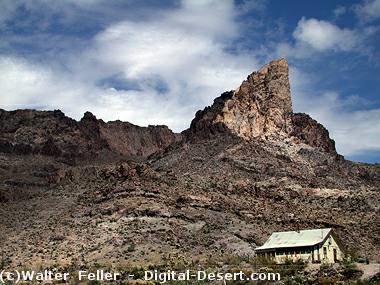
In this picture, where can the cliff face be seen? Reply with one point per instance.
(52, 133)
(261, 108)
(128, 139)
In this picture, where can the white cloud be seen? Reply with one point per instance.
(182, 49)
(323, 35)
(313, 37)
(26, 85)
(148, 50)
(369, 10)
(38, 87)
(195, 16)
(247, 6)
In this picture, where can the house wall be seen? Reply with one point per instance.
(320, 253)
(294, 254)
(327, 250)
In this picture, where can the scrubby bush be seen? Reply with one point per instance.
(350, 270)
(290, 267)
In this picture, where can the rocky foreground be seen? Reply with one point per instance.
(91, 192)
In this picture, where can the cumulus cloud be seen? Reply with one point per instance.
(312, 37)
(182, 50)
(150, 50)
(353, 131)
(168, 66)
(352, 123)
(323, 35)
(39, 87)
(27, 85)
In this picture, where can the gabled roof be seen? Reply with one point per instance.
(295, 239)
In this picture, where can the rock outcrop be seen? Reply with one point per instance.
(261, 108)
(128, 139)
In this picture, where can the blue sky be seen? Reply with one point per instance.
(158, 62)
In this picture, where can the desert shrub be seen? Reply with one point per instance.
(290, 267)
(352, 254)
(131, 248)
(231, 259)
(2, 263)
(350, 270)
(137, 272)
(262, 261)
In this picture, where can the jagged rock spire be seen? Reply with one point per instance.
(260, 106)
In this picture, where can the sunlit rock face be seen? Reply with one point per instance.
(260, 106)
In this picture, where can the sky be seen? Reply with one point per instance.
(158, 62)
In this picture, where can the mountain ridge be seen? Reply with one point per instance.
(219, 188)
(53, 133)
(260, 107)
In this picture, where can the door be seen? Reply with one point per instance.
(335, 255)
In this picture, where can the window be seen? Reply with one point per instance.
(324, 251)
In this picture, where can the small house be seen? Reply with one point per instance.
(317, 245)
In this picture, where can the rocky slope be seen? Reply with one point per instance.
(247, 166)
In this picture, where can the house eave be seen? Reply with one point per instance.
(269, 249)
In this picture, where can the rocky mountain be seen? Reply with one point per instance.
(261, 108)
(51, 133)
(246, 167)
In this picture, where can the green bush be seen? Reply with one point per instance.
(350, 270)
(131, 248)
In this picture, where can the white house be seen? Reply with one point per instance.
(318, 245)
